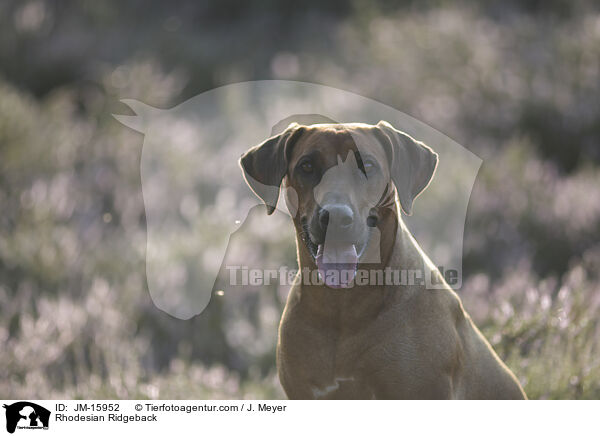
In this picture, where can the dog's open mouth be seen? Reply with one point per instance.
(337, 264)
(336, 261)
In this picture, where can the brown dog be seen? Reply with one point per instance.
(345, 185)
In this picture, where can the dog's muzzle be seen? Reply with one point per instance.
(336, 239)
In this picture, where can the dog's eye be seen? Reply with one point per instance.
(307, 167)
(369, 166)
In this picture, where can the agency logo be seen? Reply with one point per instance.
(26, 415)
(199, 207)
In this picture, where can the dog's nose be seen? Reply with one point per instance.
(340, 216)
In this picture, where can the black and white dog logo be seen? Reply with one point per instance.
(26, 415)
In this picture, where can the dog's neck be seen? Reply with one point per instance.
(346, 306)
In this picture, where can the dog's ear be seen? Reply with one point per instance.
(412, 164)
(265, 165)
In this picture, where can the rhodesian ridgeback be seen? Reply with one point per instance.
(346, 186)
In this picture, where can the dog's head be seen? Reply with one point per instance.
(339, 179)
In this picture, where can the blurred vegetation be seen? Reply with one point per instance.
(515, 82)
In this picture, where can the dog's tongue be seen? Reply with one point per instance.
(337, 264)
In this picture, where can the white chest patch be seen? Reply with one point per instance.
(322, 392)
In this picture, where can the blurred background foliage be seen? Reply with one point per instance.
(516, 82)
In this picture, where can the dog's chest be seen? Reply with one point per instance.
(341, 387)
(334, 370)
